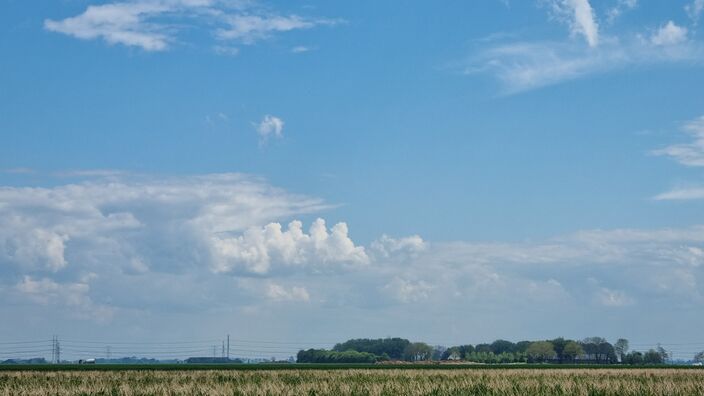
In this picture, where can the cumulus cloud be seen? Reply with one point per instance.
(408, 291)
(579, 15)
(669, 34)
(270, 126)
(123, 219)
(140, 247)
(258, 248)
(387, 246)
(613, 298)
(75, 295)
(153, 25)
(277, 292)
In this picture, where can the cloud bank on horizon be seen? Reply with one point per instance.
(215, 242)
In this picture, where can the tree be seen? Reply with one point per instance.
(559, 345)
(699, 358)
(417, 351)
(653, 357)
(634, 358)
(621, 348)
(502, 346)
(482, 348)
(393, 347)
(438, 352)
(663, 353)
(452, 353)
(571, 350)
(541, 351)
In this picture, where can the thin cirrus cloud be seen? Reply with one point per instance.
(154, 25)
(689, 154)
(526, 65)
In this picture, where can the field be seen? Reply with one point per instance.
(356, 381)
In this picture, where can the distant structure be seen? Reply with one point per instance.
(209, 360)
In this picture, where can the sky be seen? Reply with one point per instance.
(313, 171)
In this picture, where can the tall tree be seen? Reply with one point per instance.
(699, 358)
(541, 351)
(571, 350)
(417, 351)
(621, 348)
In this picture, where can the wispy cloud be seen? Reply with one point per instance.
(579, 16)
(621, 6)
(301, 49)
(153, 25)
(691, 153)
(524, 66)
(249, 29)
(694, 9)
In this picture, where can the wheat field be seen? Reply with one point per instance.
(504, 382)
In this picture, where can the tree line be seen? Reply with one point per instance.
(591, 350)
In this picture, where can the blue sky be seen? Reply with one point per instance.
(492, 163)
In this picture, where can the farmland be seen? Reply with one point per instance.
(355, 381)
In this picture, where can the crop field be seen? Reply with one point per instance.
(359, 381)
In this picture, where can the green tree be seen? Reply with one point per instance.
(541, 351)
(393, 347)
(634, 358)
(621, 348)
(699, 358)
(571, 350)
(502, 346)
(559, 345)
(417, 351)
(653, 357)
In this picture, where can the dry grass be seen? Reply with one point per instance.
(505, 382)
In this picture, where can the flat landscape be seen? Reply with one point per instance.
(357, 381)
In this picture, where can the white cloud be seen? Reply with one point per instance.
(153, 25)
(681, 194)
(165, 249)
(524, 66)
(280, 293)
(387, 246)
(694, 9)
(258, 248)
(407, 291)
(270, 126)
(300, 49)
(579, 15)
(75, 295)
(613, 298)
(118, 23)
(249, 29)
(122, 218)
(226, 50)
(621, 7)
(692, 153)
(669, 34)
